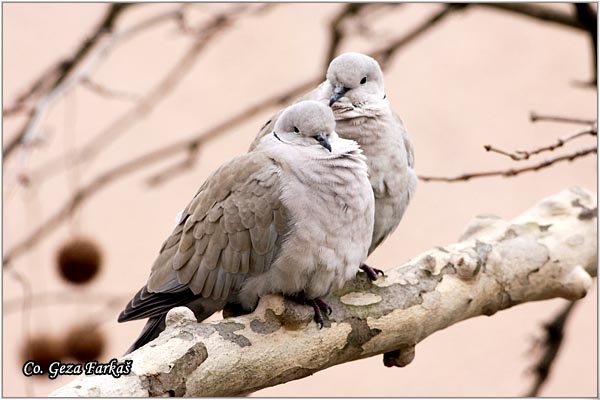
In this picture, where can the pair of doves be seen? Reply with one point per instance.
(298, 214)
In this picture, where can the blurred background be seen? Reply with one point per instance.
(114, 115)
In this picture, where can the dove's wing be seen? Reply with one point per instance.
(231, 229)
(410, 155)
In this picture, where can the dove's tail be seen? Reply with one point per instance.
(153, 328)
(201, 307)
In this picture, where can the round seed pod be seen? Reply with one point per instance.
(79, 260)
(85, 343)
(42, 349)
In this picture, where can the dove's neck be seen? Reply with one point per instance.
(317, 165)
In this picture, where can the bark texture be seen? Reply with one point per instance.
(549, 251)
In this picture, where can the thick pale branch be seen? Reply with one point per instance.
(549, 251)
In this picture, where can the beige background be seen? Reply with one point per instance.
(470, 81)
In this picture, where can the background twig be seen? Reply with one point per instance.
(511, 171)
(551, 344)
(56, 76)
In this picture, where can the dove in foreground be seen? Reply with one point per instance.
(293, 217)
(355, 91)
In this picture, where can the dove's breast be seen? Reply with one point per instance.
(331, 216)
(382, 138)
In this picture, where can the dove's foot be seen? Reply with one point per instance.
(371, 272)
(319, 306)
(234, 310)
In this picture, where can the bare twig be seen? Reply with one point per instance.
(63, 297)
(534, 117)
(520, 155)
(156, 95)
(57, 75)
(176, 169)
(588, 18)
(24, 305)
(512, 171)
(336, 29)
(108, 92)
(384, 54)
(15, 109)
(538, 12)
(554, 334)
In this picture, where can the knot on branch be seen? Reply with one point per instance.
(400, 357)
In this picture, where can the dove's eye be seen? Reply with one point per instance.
(296, 130)
(363, 80)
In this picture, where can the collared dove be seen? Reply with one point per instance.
(293, 217)
(354, 89)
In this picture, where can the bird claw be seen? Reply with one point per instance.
(320, 306)
(324, 306)
(372, 272)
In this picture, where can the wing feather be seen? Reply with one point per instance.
(230, 230)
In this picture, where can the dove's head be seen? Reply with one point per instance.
(306, 123)
(357, 77)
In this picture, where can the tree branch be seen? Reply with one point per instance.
(549, 251)
(56, 76)
(535, 117)
(554, 334)
(336, 31)
(538, 12)
(520, 155)
(588, 18)
(512, 171)
(384, 54)
(217, 25)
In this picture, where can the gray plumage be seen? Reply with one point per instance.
(294, 216)
(354, 86)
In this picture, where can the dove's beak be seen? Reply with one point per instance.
(338, 93)
(323, 141)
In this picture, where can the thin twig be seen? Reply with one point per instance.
(554, 334)
(336, 29)
(535, 117)
(384, 54)
(109, 93)
(156, 95)
(56, 76)
(24, 305)
(32, 134)
(512, 171)
(588, 18)
(63, 297)
(538, 12)
(176, 169)
(520, 155)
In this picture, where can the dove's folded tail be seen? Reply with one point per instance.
(201, 307)
(153, 328)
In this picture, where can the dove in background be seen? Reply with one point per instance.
(354, 90)
(293, 217)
